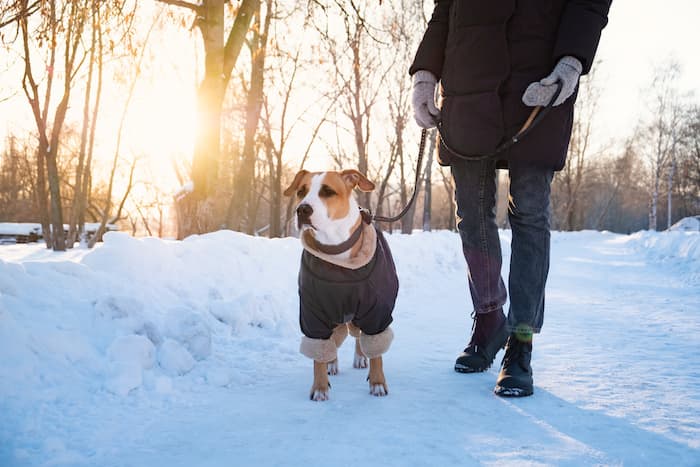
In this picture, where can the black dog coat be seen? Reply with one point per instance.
(330, 295)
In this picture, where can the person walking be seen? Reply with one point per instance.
(495, 61)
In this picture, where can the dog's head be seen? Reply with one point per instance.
(325, 200)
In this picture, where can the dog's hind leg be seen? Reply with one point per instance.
(339, 334)
(377, 380)
(360, 360)
(321, 388)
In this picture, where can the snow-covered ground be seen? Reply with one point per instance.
(153, 353)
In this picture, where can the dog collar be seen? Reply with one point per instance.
(347, 244)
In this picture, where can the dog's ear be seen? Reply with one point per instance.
(355, 179)
(291, 189)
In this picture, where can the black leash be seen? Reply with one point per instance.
(421, 150)
(536, 116)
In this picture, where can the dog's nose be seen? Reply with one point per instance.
(304, 211)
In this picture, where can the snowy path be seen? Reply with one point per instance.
(616, 367)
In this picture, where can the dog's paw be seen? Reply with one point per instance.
(360, 361)
(320, 394)
(378, 389)
(333, 367)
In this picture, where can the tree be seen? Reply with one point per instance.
(569, 184)
(65, 22)
(358, 71)
(662, 133)
(195, 208)
(243, 202)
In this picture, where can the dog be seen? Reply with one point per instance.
(347, 278)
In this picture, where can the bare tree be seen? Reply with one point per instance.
(243, 203)
(569, 183)
(65, 22)
(105, 217)
(358, 71)
(662, 133)
(195, 212)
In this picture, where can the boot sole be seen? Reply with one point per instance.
(512, 392)
(459, 368)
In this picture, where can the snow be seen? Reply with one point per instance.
(147, 352)
(688, 224)
(26, 228)
(186, 188)
(19, 228)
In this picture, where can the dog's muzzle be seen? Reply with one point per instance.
(304, 212)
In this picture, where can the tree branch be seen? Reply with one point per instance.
(25, 13)
(182, 4)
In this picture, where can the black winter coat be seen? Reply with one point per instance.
(330, 295)
(486, 53)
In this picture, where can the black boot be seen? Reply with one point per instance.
(515, 378)
(489, 334)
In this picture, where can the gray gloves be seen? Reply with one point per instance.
(424, 110)
(568, 70)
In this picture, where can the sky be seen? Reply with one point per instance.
(160, 124)
(641, 34)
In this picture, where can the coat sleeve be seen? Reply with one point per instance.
(579, 30)
(431, 51)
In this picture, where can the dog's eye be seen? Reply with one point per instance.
(326, 192)
(301, 192)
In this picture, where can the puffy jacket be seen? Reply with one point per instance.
(487, 53)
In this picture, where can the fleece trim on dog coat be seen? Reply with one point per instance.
(330, 294)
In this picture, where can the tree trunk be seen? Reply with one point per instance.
(669, 201)
(73, 227)
(243, 202)
(219, 63)
(361, 116)
(276, 194)
(654, 202)
(42, 195)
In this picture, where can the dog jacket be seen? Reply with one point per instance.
(330, 294)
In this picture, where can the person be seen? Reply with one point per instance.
(495, 61)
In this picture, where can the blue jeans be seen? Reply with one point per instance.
(529, 216)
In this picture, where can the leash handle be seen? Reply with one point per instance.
(535, 117)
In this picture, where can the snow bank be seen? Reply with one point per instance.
(676, 245)
(139, 310)
(687, 224)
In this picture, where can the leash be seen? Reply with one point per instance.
(421, 150)
(536, 116)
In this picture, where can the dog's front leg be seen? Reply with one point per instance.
(320, 390)
(321, 351)
(374, 346)
(377, 381)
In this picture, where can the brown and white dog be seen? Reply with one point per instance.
(347, 279)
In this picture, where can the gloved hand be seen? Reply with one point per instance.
(424, 110)
(568, 70)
